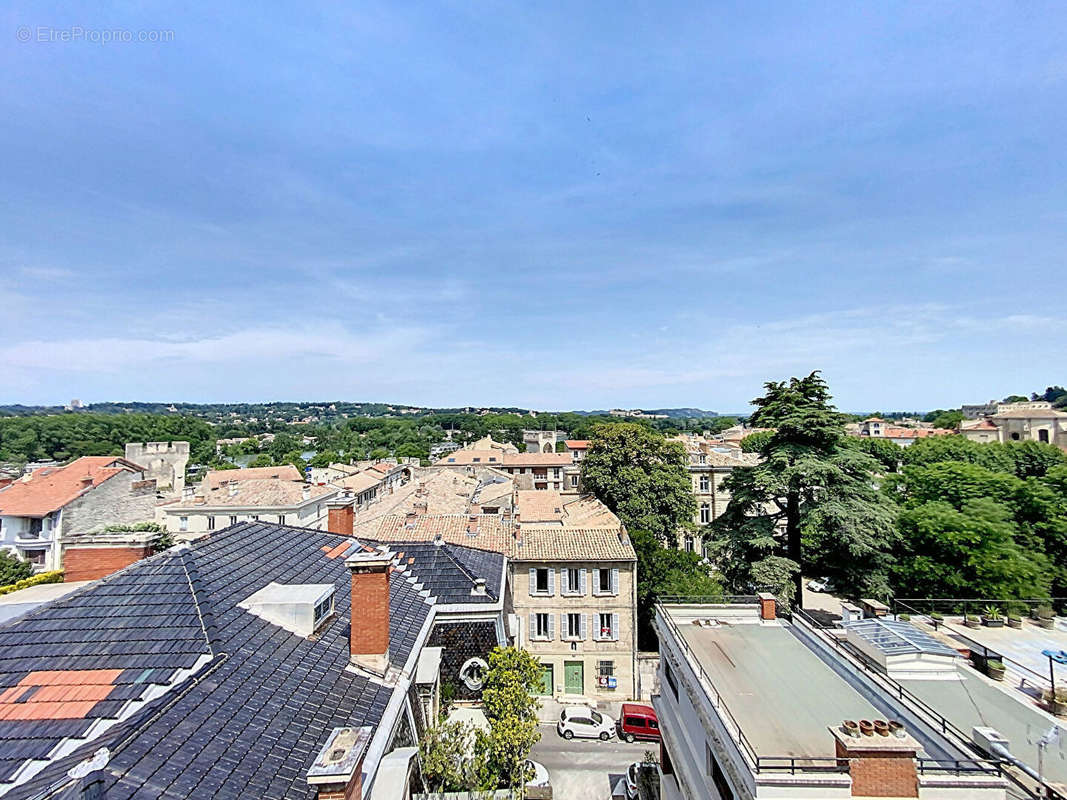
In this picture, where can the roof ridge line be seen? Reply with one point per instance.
(203, 611)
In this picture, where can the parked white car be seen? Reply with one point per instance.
(540, 776)
(632, 772)
(820, 585)
(585, 723)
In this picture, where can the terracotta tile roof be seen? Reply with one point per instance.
(490, 458)
(57, 694)
(1031, 413)
(572, 544)
(216, 478)
(977, 425)
(51, 488)
(915, 433)
(577, 444)
(490, 532)
(260, 493)
(360, 482)
(536, 505)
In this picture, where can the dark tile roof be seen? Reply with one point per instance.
(448, 571)
(252, 718)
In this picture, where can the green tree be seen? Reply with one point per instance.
(262, 460)
(642, 477)
(965, 552)
(882, 450)
(13, 568)
(1015, 398)
(454, 758)
(755, 442)
(948, 419)
(810, 500)
(665, 571)
(511, 708)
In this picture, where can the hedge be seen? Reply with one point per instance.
(44, 577)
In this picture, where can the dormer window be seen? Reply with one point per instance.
(323, 609)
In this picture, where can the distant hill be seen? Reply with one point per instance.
(672, 413)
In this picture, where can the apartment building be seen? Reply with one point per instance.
(1034, 421)
(227, 497)
(710, 463)
(47, 516)
(541, 471)
(572, 575)
(753, 706)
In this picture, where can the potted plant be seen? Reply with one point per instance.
(1046, 618)
(881, 727)
(936, 618)
(991, 617)
(1057, 701)
(904, 617)
(971, 621)
(1015, 615)
(994, 668)
(866, 727)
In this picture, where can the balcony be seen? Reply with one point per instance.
(43, 539)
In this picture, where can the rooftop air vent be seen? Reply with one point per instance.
(300, 608)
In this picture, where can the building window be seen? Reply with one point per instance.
(705, 483)
(476, 460)
(703, 459)
(323, 609)
(183, 523)
(575, 626)
(608, 627)
(542, 626)
(705, 513)
(541, 580)
(669, 677)
(1042, 435)
(233, 519)
(281, 519)
(575, 580)
(35, 557)
(605, 674)
(603, 581)
(1015, 437)
(211, 523)
(717, 776)
(574, 481)
(689, 543)
(255, 517)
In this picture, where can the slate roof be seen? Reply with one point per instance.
(261, 700)
(448, 571)
(50, 488)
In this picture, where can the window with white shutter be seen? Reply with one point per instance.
(551, 627)
(615, 627)
(582, 631)
(533, 627)
(581, 581)
(533, 581)
(551, 582)
(615, 580)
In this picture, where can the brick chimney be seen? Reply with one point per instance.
(337, 772)
(472, 525)
(421, 508)
(369, 630)
(341, 513)
(767, 605)
(880, 766)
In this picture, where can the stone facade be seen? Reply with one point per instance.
(124, 499)
(163, 461)
(574, 665)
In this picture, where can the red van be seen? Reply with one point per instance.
(638, 722)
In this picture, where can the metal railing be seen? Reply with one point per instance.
(922, 710)
(967, 605)
(747, 750)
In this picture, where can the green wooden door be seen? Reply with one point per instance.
(547, 683)
(573, 677)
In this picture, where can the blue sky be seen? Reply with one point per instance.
(549, 205)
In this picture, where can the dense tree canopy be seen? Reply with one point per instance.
(642, 477)
(810, 505)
